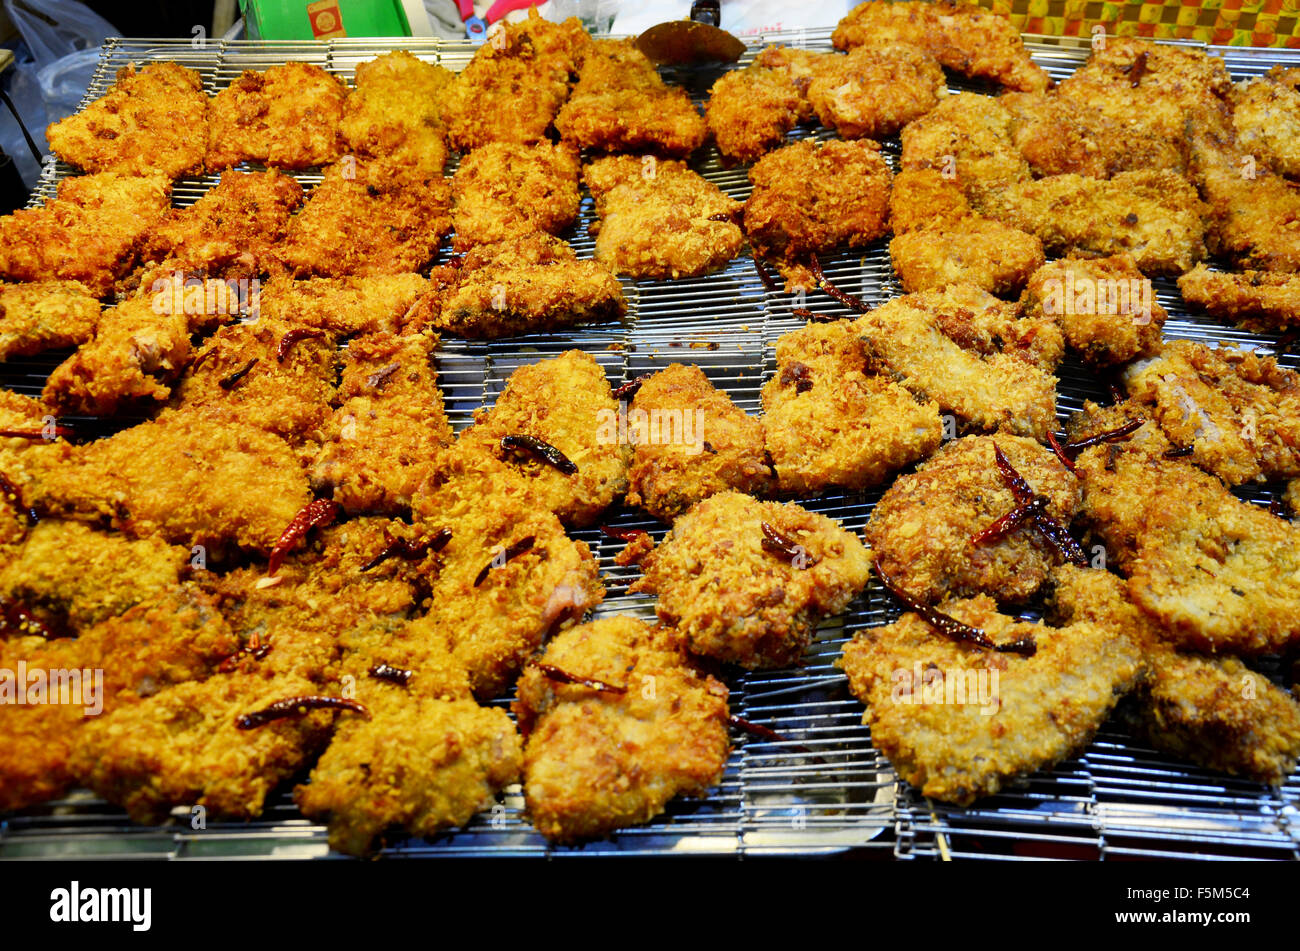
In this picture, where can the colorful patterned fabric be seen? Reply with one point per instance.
(1225, 22)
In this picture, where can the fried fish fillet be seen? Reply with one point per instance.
(89, 233)
(596, 761)
(732, 596)
(151, 120)
(691, 441)
(368, 218)
(830, 419)
(1105, 307)
(381, 443)
(1040, 710)
(567, 403)
(527, 284)
(875, 90)
(971, 354)
(287, 117)
(963, 37)
(1154, 216)
(344, 305)
(1239, 412)
(44, 316)
(750, 110)
(1260, 301)
(967, 139)
(621, 105)
(1266, 118)
(922, 530)
(393, 113)
(505, 190)
(660, 219)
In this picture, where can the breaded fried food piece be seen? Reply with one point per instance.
(565, 43)
(596, 761)
(527, 284)
(750, 110)
(939, 240)
(1260, 301)
(875, 90)
(660, 219)
(368, 218)
(691, 441)
(287, 117)
(21, 414)
(1239, 412)
(234, 228)
(151, 121)
(1266, 118)
(71, 576)
(1059, 137)
(967, 139)
(190, 479)
(567, 403)
(810, 198)
(505, 190)
(344, 305)
(1105, 307)
(508, 577)
(733, 597)
(389, 429)
(246, 373)
(830, 419)
(89, 233)
(44, 316)
(1154, 216)
(922, 530)
(393, 113)
(1041, 709)
(971, 354)
(1213, 711)
(621, 105)
(134, 356)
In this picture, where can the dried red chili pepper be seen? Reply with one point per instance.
(514, 551)
(1059, 449)
(1011, 521)
(296, 707)
(230, 382)
(1137, 69)
(555, 673)
(394, 675)
(630, 388)
(17, 619)
(407, 549)
(1180, 452)
(296, 335)
(783, 546)
(764, 275)
(1106, 435)
(313, 514)
(1049, 528)
(622, 534)
(848, 300)
(541, 450)
(950, 627)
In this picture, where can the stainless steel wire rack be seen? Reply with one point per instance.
(827, 791)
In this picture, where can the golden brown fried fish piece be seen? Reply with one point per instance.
(393, 113)
(89, 233)
(963, 37)
(505, 190)
(660, 219)
(748, 594)
(1266, 118)
(527, 284)
(1105, 307)
(621, 105)
(971, 354)
(967, 140)
(922, 531)
(383, 440)
(368, 218)
(44, 316)
(691, 441)
(1261, 301)
(956, 733)
(875, 90)
(287, 116)
(344, 305)
(599, 760)
(830, 419)
(750, 110)
(1239, 412)
(151, 120)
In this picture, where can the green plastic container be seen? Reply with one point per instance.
(323, 19)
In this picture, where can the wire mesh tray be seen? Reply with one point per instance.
(832, 794)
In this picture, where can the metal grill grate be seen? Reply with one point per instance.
(834, 792)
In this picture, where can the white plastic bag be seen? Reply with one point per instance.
(739, 17)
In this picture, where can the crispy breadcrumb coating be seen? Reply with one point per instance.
(875, 90)
(1261, 301)
(1041, 709)
(597, 761)
(733, 599)
(830, 419)
(393, 113)
(44, 316)
(750, 110)
(1266, 118)
(344, 305)
(287, 117)
(152, 120)
(672, 470)
(89, 233)
(660, 219)
(967, 139)
(505, 190)
(922, 530)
